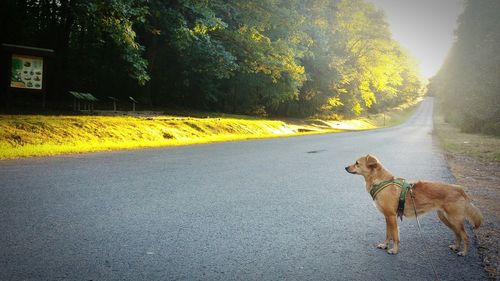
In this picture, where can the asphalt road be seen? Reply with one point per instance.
(277, 209)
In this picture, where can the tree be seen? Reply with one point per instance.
(468, 84)
(79, 31)
(354, 63)
(278, 57)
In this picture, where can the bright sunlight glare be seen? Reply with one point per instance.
(424, 27)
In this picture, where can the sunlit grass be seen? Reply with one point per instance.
(33, 135)
(22, 136)
(395, 116)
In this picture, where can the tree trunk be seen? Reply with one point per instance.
(151, 54)
(62, 49)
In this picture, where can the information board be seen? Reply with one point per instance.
(26, 72)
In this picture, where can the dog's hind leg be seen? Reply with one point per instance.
(458, 239)
(457, 223)
(443, 218)
(463, 235)
(455, 214)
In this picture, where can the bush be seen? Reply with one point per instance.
(492, 128)
(470, 124)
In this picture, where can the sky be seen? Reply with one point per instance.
(424, 27)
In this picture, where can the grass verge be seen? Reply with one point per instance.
(22, 136)
(474, 160)
(393, 117)
(482, 147)
(36, 135)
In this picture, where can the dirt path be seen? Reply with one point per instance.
(482, 180)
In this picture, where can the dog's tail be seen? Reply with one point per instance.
(472, 213)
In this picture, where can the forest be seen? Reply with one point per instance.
(298, 58)
(468, 84)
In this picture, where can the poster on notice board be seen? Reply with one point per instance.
(26, 72)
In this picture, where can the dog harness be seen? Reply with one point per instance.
(376, 188)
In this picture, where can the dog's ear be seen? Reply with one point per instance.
(371, 161)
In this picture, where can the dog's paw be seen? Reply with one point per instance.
(382, 246)
(462, 253)
(392, 251)
(454, 247)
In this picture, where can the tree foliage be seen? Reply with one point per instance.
(293, 57)
(468, 83)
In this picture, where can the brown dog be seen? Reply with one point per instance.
(450, 202)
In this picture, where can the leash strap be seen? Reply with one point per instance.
(421, 235)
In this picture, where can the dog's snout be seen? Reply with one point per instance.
(347, 170)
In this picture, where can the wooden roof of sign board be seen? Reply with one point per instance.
(28, 49)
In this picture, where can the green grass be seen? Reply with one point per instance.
(36, 135)
(395, 116)
(475, 145)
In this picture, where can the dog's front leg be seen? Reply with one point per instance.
(384, 245)
(392, 225)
